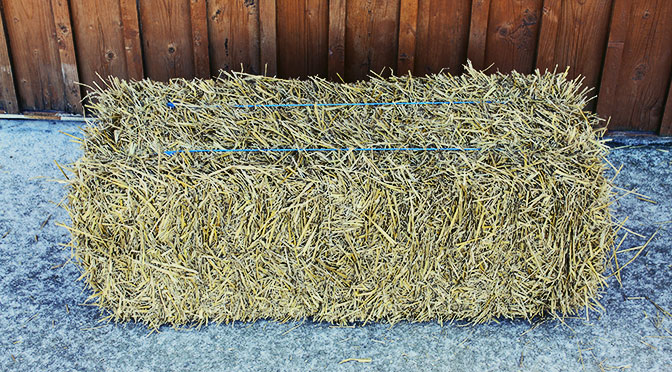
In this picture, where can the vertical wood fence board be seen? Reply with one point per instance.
(512, 34)
(443, 36)
(35, 59)
(336, 55)
(317, 41)
(622, 47)
(637, 99)
(199, 38)
(371, 35)
(613, 56)
(574, 33)
(478, 33)
(8, 102)
(233, 30)
(408, 23)
(132, 46)
(166, 35)
(268, 39)
(99, 37)
(303, 37)
(666, 123)
(291, 38)
(647, 65)
(67, 57)
(551, 17)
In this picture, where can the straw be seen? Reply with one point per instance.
(518, 229)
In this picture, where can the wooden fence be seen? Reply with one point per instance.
(622, 47)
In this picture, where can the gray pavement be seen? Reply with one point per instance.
(45, 326)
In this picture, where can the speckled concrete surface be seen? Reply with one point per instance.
(45, 327)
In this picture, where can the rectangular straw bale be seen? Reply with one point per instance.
(517, 229)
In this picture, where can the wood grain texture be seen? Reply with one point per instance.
(233, 29)
(35, 58)
(619, 24)
(66, 51)
(552, 20)
(371, 35)
(8, 102)
(408, 24)
(199, 38)
(574, 33)
(336, 55)
(99, 36)
(131, 32)
(666, 123)
(513, 28)
(443, 36)
(303, 38)
(167, 42)
(641, 68)
(622, 47)
(478, 33)
(268, 39)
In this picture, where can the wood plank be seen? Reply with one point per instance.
(132, 46)
(99, 39)
(317, 37)
(443, 36)
(268, 40)
(166, 34)
(303, 36)
(478, 33)
(513, 30)
(574, 33)
(199, 38)
(666, 123)
(68, 59)
(371, 38)
(8, 101)
(48, 115)
(408, 23)
(637, 99)
(233, 30)
(35, 57)
(551, 15)
(336, 58)
(611, 68)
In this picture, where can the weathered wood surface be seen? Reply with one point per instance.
(574, 34)
(621, 47)
(637, 66)
(8, 102)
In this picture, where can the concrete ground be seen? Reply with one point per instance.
(44, 326)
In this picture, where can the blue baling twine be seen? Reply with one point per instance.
(172, 105)
(332, 149)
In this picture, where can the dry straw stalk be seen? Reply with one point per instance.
(520, 228)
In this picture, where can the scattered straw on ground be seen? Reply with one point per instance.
(520, 228)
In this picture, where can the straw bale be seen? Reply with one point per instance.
(518, 229)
